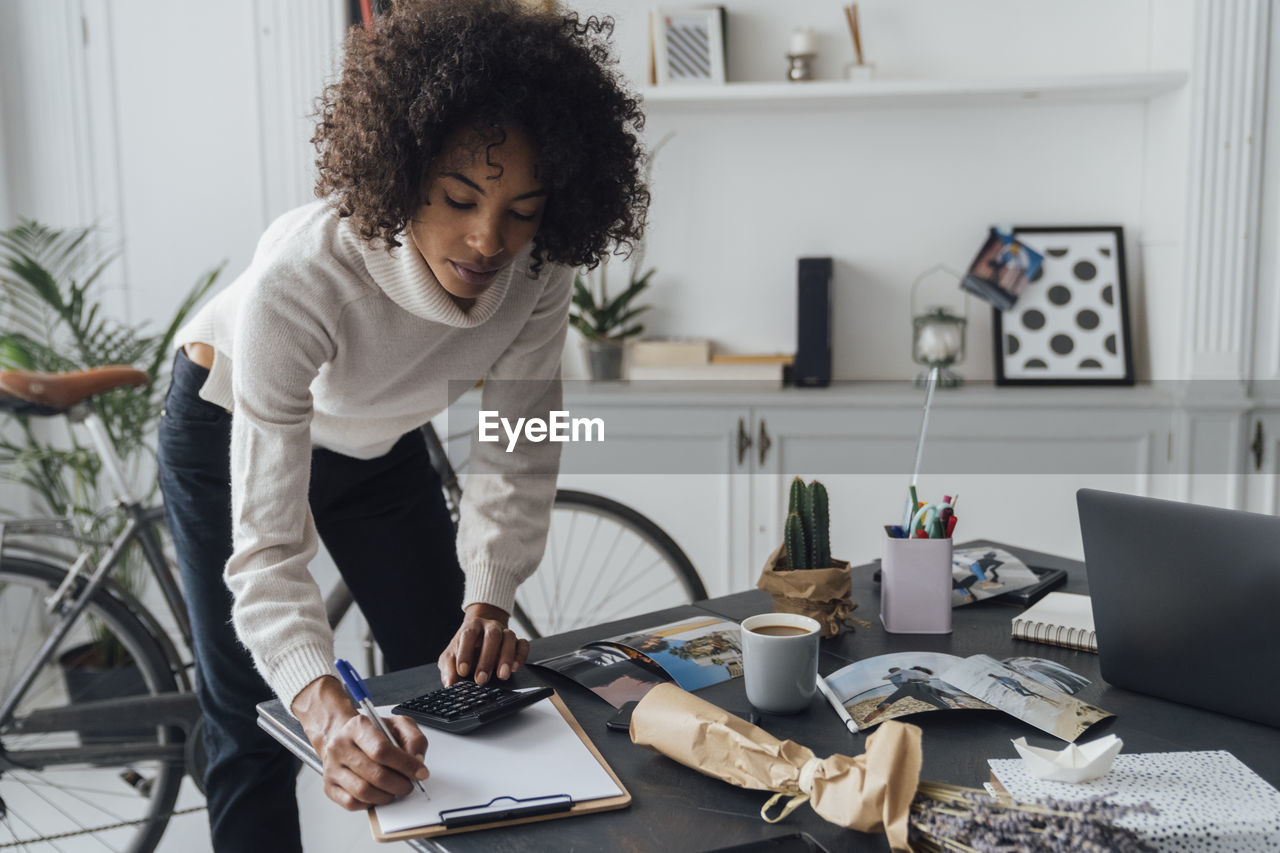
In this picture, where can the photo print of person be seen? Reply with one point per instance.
(1029, 699)
(694, 653)
(613, 674)
(985, 572)
(1049, 673)
(1000, 272)
(1035, 690)
(889, 686)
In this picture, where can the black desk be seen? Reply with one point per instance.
(677, 809)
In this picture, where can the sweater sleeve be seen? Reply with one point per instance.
(506, 505)
(278, 609)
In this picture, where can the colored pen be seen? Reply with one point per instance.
(835, 703)
(360, 695)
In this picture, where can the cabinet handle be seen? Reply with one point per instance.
(765, 443)
(1257, 446)
(744, 441)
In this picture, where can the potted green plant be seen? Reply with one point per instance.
(53, 319)
(605, 322)
(801, 575)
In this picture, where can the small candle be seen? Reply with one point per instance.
(803, 41)
(938, 342)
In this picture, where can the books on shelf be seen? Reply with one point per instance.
(655, 352)
(1035, 690)
(1203, 800)
(695, 652)
(770, 374)
(1059, 619)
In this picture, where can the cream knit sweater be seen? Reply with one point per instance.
(327, 341)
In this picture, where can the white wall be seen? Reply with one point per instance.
(151, 121)
(740, 194)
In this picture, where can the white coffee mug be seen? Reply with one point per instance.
(780, 661)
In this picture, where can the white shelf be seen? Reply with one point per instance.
(1095, 88)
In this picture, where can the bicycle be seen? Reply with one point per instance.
(75, 762)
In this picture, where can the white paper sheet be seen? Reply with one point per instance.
(532, 753)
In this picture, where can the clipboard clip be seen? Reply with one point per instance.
(505, 808)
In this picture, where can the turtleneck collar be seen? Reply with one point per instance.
(403, 275)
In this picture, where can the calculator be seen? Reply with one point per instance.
(466, 706)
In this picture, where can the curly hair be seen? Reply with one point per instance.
(431, 66)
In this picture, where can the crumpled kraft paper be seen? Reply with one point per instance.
(821, 594)
(871, 792)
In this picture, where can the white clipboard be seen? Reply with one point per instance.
(535, 765)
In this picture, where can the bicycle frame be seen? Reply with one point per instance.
(71, 598)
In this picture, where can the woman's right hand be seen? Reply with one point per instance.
(361, 768)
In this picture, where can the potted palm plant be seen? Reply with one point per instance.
(53, 319)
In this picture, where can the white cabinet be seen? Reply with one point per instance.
(1014, 463)
(1262, 466)
(713, 469)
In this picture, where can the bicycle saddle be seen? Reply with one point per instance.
(26, 392)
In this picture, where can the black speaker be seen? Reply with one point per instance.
(812, 368)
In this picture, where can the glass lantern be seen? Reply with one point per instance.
(937, 334)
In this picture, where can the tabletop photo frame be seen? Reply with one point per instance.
(688, 45)
(1071, 324)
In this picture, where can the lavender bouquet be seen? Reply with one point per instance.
(952, 818)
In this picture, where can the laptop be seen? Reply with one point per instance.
(1186, 600)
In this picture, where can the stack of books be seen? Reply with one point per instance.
(683, 359)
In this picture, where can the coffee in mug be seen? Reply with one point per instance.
(780, 661)
(780, 630)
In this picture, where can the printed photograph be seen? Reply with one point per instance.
(1003, 267)
(1049, 673)
(894, 685)
(1028, 699)
(981, 573)
(695, 652)
(612, 674)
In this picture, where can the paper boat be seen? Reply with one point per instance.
(1073, 764)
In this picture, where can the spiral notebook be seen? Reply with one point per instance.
(1059, 619)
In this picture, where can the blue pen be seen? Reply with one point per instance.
(360, 695)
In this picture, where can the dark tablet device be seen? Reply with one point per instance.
(1049, 579)
(466, 706)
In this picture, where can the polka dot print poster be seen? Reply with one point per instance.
(1071, 325)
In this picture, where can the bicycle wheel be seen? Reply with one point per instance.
(604, 561)
(58, 784)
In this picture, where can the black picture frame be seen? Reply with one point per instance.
(1071, 325)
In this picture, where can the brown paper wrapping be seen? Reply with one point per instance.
(822, 594)
(871, 792)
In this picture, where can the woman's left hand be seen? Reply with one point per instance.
(484, 644)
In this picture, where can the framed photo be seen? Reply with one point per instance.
(1070, 326)
(688, 45)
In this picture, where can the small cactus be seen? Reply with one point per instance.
(797, 549)
(797, 494)
(820, 527)
(808, 526)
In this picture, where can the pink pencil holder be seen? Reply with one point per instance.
(915, 586)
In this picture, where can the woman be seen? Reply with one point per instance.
(472, 154)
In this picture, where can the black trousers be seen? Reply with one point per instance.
(386, 525)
